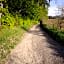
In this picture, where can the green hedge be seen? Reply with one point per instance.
(55, 34)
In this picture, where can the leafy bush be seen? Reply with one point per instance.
(28, 8)
(8, 21)
(26, 23)
(3, 10)
(37, 12)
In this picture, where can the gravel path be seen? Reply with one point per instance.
(37, 48)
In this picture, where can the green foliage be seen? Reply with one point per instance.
(55, 34)
(3, 11)
(42, 2)
(36, 12)
(8, 21)
(28, 8)
(8, 39)
(25, 23)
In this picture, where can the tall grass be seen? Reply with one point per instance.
(8, 39)
(13, 27)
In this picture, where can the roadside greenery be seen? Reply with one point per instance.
(8, 40)
(11, 32)
(55, 33)
(17, 17)
(34, 9)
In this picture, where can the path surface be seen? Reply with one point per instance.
(37, 48)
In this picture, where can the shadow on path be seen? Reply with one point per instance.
(58, 49)
(37, 48)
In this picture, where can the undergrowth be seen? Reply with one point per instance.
(11, 30)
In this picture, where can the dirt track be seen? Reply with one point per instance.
(37, 48)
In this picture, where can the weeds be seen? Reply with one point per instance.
(11, 32)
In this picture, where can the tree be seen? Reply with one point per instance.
(28, 8)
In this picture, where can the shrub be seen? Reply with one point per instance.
(8, 21)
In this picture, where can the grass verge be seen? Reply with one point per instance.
(9, 38)
(55, 34)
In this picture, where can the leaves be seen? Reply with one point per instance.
(28, 8)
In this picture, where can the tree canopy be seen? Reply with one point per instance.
(34, 9)
(30, 8)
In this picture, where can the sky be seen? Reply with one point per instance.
(53, 9)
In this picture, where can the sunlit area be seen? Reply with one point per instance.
(31, 31)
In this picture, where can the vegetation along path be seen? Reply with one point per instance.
(37, 48)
